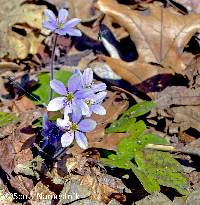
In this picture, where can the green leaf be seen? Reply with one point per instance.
(121, 125)
(162, 169)
(119, 161)
(153, 168)
(127, 120)
(6, 118)
(146, 180)
(137, 140)
(140, 109)
(44, 89)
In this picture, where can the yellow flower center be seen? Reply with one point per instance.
(60, 25)
(74, 127)
(89, 102)
(70, 96)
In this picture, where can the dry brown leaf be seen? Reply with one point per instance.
(10, 151)
(119, 33)
(177, 95)
(23, 104)
(160, 35)
(100, 184)
(8, 66)
(114, 105)
(156, 198)
(186, 117)
(27, 17)
(193, 6)
(192, 71)
(38, 194)
(83, 9)
(146, 77)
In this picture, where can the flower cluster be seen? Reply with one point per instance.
(79, 99)
(59, 24)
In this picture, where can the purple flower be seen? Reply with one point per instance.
(60, 25)
(87, 81)
(75, 129)
(51, 133)
(94, 104)
(73, 95)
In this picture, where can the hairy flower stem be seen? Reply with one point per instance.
(51, 65)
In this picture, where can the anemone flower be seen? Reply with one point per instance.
(59, 24)
(94, 104)
(72, 95)
(75, 129)
(87, 81)
(51, 133)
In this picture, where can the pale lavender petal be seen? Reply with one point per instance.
(99, 87)
(67, 109)
(72, 22)
(66, 113)
(61, 32)
(81, 140)
(83, 106)
(51, 16)
(67, 139)
(73, 32)
(98, 109)
(99, 97)
(63, 123)
(87, 77)
(56, 104)
(84, 93)
(87, 125)
(62, 15)
(89, 113)
(74, 83)
(77, 71)
(58, 87)
(49, 25)
(76, 113)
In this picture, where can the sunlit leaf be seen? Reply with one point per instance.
(162, 168)
(153, 168)
(44, 89)
(127, 120)
(6, 118)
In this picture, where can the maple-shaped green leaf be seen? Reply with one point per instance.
(162, 169)
(153, 168)
(119, 161)
(127, 120)
(121, 125)
(44, 88)
(6, 118)
(136, 141)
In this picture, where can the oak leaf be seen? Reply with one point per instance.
(191, 5)
(159, 34)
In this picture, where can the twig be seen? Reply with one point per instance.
(51, 65)
(161, 36)
(169, 148)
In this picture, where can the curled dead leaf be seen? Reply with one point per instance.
(84, 10)
(160, 35)
(25, 18)
(146, 77)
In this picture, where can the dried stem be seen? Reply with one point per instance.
(168, 148)
(51, 65)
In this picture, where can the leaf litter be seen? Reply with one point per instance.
(124, 144)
